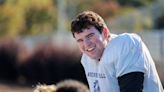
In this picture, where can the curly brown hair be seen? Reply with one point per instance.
(86, 19)
(45, 88)
(70, 85)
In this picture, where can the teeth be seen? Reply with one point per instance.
(90, 49)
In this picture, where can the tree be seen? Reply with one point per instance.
(22, 17)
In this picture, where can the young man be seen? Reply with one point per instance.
(113, 63)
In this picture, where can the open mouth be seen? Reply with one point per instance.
(91, 49)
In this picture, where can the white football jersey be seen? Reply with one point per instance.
(124, 53)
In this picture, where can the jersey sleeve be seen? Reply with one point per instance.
(131, 55)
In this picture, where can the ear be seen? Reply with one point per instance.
(105, 33)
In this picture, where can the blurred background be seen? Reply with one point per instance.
(36, 45)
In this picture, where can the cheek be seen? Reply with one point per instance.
(81, 47)
(97, 41)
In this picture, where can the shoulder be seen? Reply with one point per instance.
(128, 49)
(122, 42)
(125, 39)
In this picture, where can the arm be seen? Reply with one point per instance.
(131, 82)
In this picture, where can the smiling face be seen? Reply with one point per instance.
(91, 42)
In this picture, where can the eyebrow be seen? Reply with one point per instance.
(90, 34)
(78, 40)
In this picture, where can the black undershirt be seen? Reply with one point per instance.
(131, 82)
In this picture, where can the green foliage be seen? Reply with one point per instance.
(3, 23)
(38, 16)
(40, 19)
(28, 17)
(160, 22)
(106, 8)
(2, 2)
(134, 3)
(22, 17)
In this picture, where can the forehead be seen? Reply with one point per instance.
(86, 32)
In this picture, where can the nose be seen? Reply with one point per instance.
(87, 42)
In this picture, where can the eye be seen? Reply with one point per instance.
(90, 35)
(79, 40)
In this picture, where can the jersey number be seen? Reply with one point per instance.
(96, 86)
